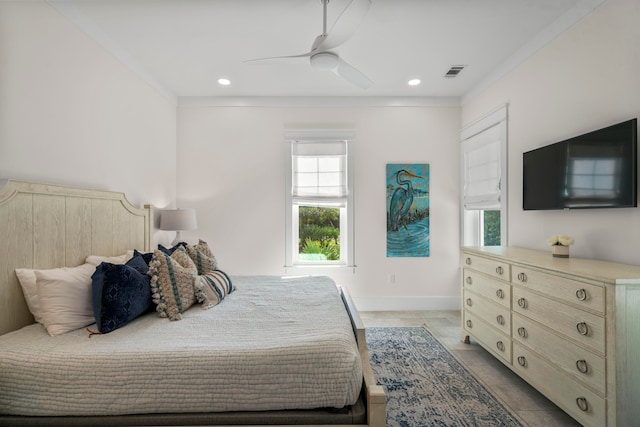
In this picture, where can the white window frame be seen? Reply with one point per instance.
(472, 207)
(292, 263)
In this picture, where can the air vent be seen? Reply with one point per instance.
(454, 70)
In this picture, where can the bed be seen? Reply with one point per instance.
(253, 358)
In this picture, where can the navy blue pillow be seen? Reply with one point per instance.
(146, 256)
(172, 249)
(121, 292)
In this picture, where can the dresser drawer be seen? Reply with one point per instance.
(497, 269)
(577, 400)
(570, 358)
(580, 294)
(578, 325)
(495, 315)
(490, 338)
(490, 288)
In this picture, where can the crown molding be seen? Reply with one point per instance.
(317, 101)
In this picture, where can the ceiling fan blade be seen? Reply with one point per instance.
(302, 55)
(346, 24)
(352, 75)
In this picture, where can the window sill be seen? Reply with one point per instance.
(319, 269)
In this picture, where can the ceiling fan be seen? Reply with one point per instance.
(321, 55)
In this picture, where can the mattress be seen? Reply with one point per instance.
(273, 344)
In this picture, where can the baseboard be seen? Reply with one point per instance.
(406, 303)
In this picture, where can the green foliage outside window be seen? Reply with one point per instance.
(319, 231)
(491, 228)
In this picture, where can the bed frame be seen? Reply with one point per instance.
(47, 226)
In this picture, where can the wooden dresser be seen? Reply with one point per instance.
(570, 327)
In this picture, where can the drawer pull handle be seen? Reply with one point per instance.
(468, 261)
(522, 332)
(582, 404)
(499, 270)
(500, 293)
(500, 319)
(582, 366)
(469, 323)
(469, 280)
(522, 277)
(582, 328)
(500, 345)
(522, 361)
(469, 302)
(581, 294)
(522, 302)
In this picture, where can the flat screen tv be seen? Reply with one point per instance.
(594, 170)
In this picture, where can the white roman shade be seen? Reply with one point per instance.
(319, 169)
(482, 170)
(484, 162)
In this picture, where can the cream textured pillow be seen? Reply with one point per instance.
(64, 295)
(202, 257)
(172, 282)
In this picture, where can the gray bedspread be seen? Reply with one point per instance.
(274, 343)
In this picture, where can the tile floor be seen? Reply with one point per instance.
(532, 407)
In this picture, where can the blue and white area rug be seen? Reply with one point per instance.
(427, 386)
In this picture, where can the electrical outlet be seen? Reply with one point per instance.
(391, 278)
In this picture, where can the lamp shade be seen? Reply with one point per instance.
(178, 219)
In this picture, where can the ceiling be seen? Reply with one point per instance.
(183, 47)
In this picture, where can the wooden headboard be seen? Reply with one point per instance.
(46, 226)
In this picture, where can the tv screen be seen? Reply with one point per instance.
(594, 170)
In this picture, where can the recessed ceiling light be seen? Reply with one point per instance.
(414, 82)
(224, 82)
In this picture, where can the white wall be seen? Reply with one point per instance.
(231, 169)
(587, 78)
(71, 114)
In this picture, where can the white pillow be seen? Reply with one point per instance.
(65, 298)
(97, 259)
(27, 279)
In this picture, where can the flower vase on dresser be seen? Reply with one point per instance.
(560, 251)
(560, 245)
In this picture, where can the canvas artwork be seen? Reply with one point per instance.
(407, 210)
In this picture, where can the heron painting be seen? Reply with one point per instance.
(408, 210)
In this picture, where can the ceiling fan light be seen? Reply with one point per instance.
(414, 82)
(324, 61)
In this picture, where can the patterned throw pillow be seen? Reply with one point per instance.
(212, 287)
(121, 293)
(172, 283)
(146, 256)
(202, 257)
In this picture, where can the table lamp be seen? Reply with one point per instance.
(178, 220)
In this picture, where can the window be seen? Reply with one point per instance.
(319, 198)
(484, 186)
